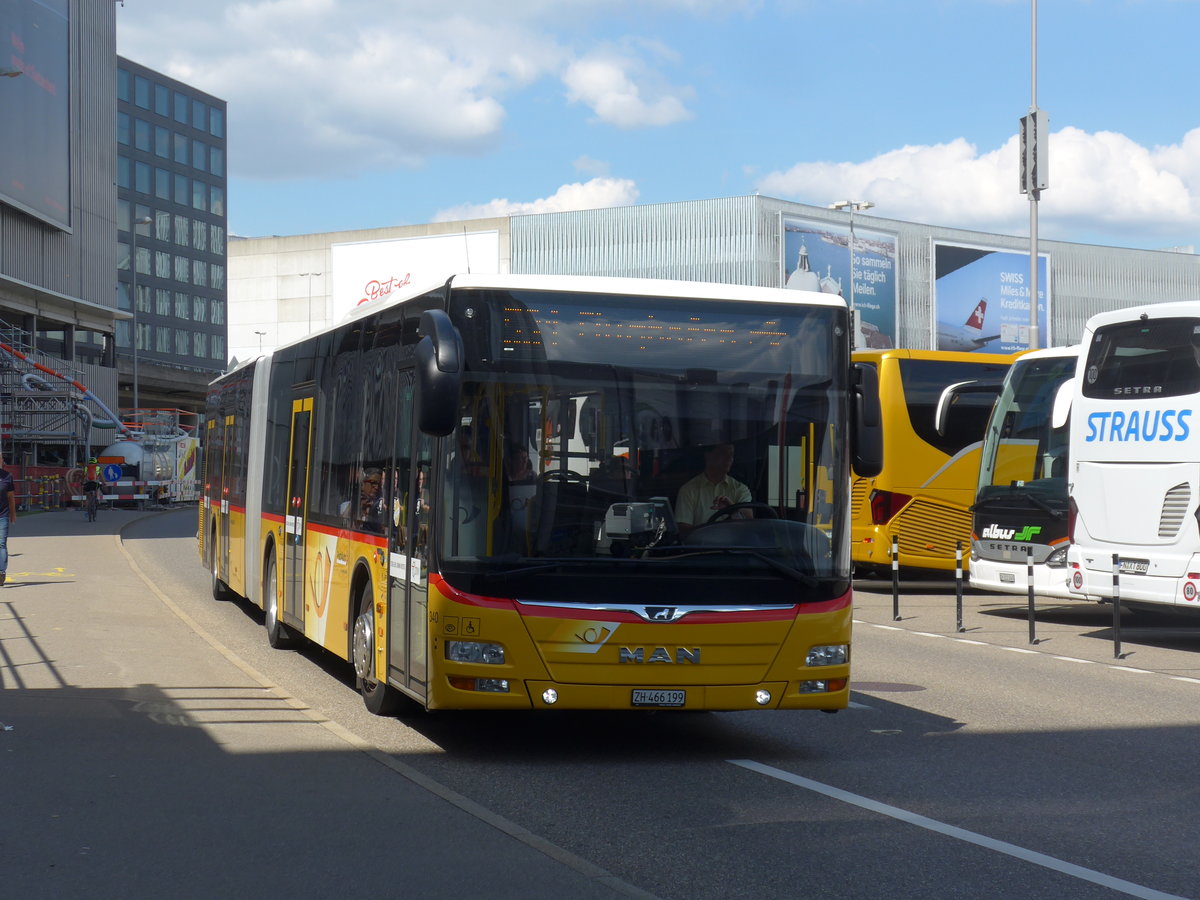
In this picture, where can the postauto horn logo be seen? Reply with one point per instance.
(1028, 533)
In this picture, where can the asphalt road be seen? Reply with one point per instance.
(972, 764)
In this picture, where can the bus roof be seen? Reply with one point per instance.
(941, 355)
(1171, 310)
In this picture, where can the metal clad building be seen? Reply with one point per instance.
(738, 240)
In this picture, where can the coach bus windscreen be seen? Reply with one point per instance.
(639, 446)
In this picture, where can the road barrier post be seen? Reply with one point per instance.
(1116, 601)
(895, 578)
(958, 586)
(1029, 581)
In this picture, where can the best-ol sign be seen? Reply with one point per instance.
(374, 270)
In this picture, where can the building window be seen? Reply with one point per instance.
(218, 312)
(217, 124)
(123, 218)
(141, 92)
(182, 307)
(217, 271)
(182, 186)
(182, 270)
(123, 128)
(162, 100)
(216, 160)
(143, 336)
(143, 262)
(162, 339)
(216, 238)
(216, 200)
(199, 344)
(200, 309)
(199, 115)
(162, 142)
(122, 85)
(141, 178)
(162, 264)
(144, 299)
(199, 195)
(162, 184)
(181, 147)
(181, 342)
(181, 108)
(141, 134)
(162, 302)
(181, 230)
(162, 225)
(199, 237)
(199, 273)
(123, 172)
(218, 346)
(199, 155)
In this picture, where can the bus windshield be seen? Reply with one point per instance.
(1024, 455)
(582, 422)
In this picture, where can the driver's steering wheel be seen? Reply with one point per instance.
(729, 510)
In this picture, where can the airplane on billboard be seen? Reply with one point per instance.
(967, 336)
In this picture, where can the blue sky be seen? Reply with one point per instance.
(365, 113)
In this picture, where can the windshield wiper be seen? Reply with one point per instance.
(1017, 494)
(756, 552)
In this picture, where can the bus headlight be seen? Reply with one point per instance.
(474, 652)
(1058, 558)
(828, 655)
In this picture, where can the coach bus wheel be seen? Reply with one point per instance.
(279, 636)
(378, 697)
(219, 589)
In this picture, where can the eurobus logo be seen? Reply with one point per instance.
(376, 290)
(1028, 533)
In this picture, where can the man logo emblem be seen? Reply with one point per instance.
(660, 613)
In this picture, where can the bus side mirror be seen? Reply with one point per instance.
(439, 373)
(1060, 413)
(866, 421)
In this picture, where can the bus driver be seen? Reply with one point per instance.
(711, 491)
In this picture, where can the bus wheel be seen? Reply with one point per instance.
(379, 698)
(279, 636)
(219, 589)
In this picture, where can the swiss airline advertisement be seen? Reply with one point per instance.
(374, 270)
(981, 299)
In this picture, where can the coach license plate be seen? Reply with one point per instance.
(648, 697)
(1133, 566)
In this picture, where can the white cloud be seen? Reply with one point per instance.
(623, 90)
(594, 194)
(1102, 181)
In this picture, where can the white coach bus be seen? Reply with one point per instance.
(1135, 457)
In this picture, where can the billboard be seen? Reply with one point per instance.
(981, 299)
(35, 170)
(817, 256)
(371, 270)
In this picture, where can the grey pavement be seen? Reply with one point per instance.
(137, 759)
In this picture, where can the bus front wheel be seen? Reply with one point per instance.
(279, 636)
(379, 698)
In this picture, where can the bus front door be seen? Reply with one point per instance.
(297, 503)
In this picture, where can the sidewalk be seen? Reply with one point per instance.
(136, 760)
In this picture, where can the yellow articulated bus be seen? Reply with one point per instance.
(471, 493)
(935, 406)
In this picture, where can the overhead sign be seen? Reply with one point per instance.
(372, 270)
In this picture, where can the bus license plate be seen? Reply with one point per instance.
(1133, 566)
(647, 697)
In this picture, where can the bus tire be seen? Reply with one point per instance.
(279, 635)
(380, 699)
(220, 591)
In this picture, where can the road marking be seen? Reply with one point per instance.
(1086, 662)
(961, 834)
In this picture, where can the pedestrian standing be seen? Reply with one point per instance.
(8, 504)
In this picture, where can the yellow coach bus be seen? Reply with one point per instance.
(935, 406)
(468, 492)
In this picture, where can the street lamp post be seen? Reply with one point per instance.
(143, 220)
(260, 337)
(850, 206)
(310, 276)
